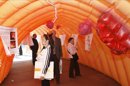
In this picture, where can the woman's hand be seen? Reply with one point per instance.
(42, 78)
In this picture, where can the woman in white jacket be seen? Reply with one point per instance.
(44, 57)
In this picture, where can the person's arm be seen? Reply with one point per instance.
(70, 49)
(31, 47)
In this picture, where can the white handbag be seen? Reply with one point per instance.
(38, 71)
(50, 72)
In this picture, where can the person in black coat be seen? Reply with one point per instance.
(34, 48)
(56, 54)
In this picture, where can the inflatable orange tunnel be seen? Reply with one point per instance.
(29, 15)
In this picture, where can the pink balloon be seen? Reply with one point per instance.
(85, 28)
(50, 24)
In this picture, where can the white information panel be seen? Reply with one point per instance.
(88, 40)
(10, 39)
(62, 37)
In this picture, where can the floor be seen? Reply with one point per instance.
(21, 74)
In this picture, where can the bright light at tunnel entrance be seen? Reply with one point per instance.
(26, 54)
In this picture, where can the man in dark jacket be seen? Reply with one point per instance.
(57, 54)
(34, 48)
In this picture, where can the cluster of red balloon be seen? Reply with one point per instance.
(58, 26)
(85, 28)
(113, 33)
(50, 24)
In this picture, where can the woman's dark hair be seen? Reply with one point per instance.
(51, 40)
(46, 36)
(70, 39)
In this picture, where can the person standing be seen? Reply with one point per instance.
(34, 48)
(20, 50)
(57, 54)
(74, 66)
(45, 59)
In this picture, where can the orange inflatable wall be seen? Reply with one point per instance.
(28, 15)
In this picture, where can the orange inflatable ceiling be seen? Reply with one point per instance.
(28, 15)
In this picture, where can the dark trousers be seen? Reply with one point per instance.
(74, 68)
(45, 82)
(20, 51)
(56, 69)
(34, 55)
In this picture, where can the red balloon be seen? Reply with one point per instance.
(114, 26)
(116, 51)
(126, 42)
(116, 48)
(122, 33)
(58, 26)
(113, 34)
(106, 18)
(110, 44)
(105, 35)
(50, 24)
(85, 28)
(101, 26)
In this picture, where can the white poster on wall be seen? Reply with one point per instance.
(75, 36)
(9, 39)
(88, 40)
(62, 38)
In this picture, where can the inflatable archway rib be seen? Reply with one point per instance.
(27, 15)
